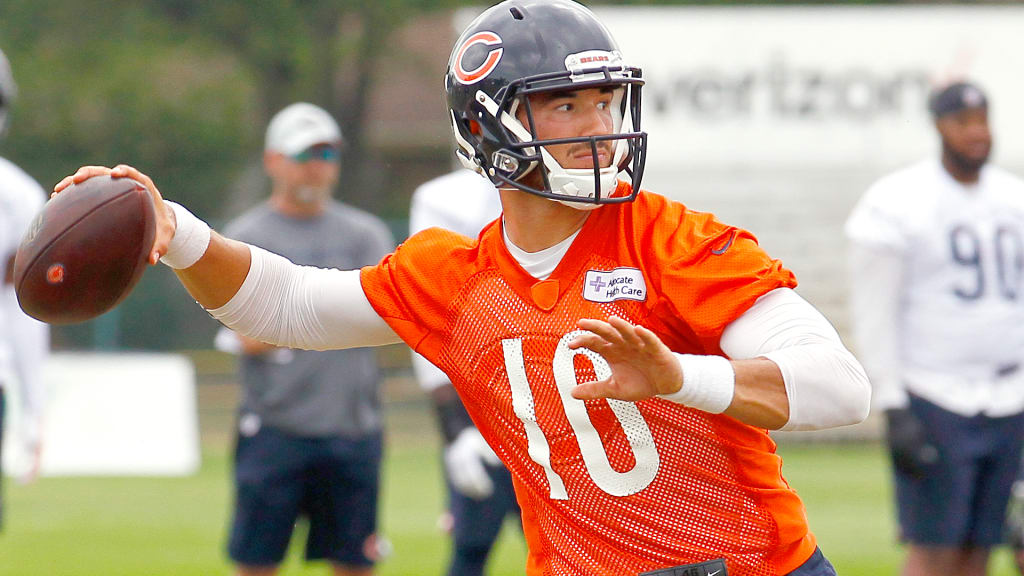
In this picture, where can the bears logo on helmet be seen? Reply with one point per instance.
(480, 72)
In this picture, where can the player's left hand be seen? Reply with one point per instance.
(642, 366)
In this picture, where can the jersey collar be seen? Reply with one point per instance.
(596, 232)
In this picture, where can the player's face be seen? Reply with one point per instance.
(966, 136)
(573, 114)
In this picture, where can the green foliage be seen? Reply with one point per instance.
(113, 87)
(183, 89)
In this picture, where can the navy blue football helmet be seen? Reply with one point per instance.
(523, 47)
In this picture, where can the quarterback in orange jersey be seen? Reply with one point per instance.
(625, 356)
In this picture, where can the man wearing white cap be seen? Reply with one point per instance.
(309, 425)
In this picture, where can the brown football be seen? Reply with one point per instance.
(85, 251)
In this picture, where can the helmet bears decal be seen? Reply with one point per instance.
(490, 62)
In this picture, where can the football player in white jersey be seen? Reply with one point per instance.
(937, 261)
(480, 492)
(24, 342)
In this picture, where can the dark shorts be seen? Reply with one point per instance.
(333, 482)
(816, 565)
(963, 500)
(476, 523)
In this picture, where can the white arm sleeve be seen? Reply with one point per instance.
(304, 307)
(876, 277)
(825, 384)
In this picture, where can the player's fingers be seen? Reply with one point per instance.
(607, 388)
(650, 339)
(126, 171)
(80, 175)
(64, 183)
(591, 390)
(627, 331)
(601, 328)
(589, 340)
(86, 172)
(165, 231)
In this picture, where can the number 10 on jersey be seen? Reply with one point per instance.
(595, 457)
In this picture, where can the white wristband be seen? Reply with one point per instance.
(708, 383)
(191, 238)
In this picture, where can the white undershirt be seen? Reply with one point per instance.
(542, 263)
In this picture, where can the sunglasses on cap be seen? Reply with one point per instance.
(320, 152)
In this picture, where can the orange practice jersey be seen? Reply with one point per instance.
(606, 487)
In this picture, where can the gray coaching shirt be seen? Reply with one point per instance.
(303, 392)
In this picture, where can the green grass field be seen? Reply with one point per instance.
(176, 526)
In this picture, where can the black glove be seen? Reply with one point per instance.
(451, 414)
(912, 452)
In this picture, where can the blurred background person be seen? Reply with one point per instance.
(24, 342)
(309, 439)
(937, 260)
(480, 492)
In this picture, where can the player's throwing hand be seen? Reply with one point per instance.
(642, 366)
(166, 222)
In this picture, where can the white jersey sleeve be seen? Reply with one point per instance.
(876, 282)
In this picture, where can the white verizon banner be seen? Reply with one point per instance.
(814, 87)
(112, 414)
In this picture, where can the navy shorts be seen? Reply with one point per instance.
(478, 522)
(816, 565)
(963, 500)
(333, 482)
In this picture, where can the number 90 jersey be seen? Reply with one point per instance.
(606, 487)
(961, 318)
